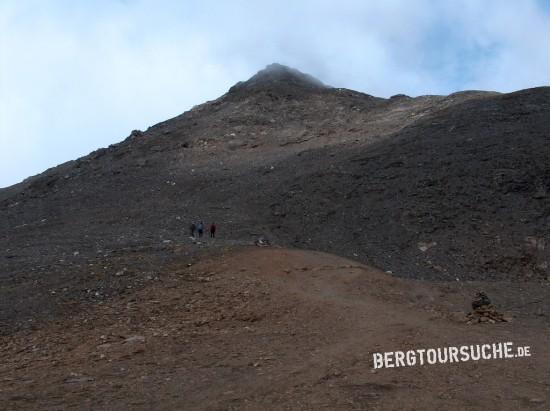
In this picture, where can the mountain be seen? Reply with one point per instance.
(332, 206)
(431, 187)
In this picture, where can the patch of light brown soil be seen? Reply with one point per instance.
(273, 329)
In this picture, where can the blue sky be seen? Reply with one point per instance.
(79, 75)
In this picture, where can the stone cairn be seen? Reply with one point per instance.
(484, 311)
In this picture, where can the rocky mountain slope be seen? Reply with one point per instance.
(436, 187)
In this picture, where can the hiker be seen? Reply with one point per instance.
(200, 229)
(193, 228)
(213, 230)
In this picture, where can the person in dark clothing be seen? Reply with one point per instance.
(213, 230)
(200, 228)
(193, 228)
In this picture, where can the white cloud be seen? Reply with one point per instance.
(75, 76)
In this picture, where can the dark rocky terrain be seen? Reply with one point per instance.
(107, 303)
(435, 187)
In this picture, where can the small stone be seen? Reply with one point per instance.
(481, 299)
(201, 322)
(135, 338)
(104, 346)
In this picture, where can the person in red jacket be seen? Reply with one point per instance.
(212, 230)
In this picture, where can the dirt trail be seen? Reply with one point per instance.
(275, 329)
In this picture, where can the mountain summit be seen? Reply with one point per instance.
(277, 77)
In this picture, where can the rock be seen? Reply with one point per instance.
(75, 378)
(136, 133)
(104, 346)
(400, 97)
(540, 193)
(480, 300)
(423, 246)
(135, 338)
(262, 242)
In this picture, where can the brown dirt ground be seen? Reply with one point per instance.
(276, 329)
